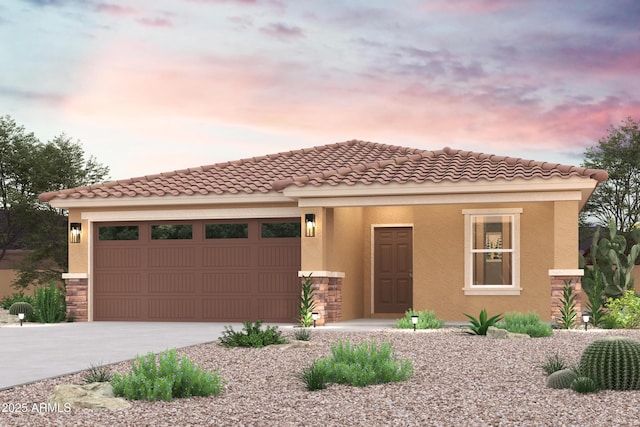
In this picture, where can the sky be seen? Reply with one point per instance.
(155, 86)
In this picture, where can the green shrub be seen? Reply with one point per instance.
(480, 325)
(358, 365)
(613, 363)
(98, 374)
(22, 307)
(252, 335)
(426, 320)
(50, 305)
(302, 334)
(562, 378)
(624, 312)
(307, 304)
(529, 324)
(316, 376)
(553, 364)
(165, 379)
(8, 301)
(568, 310)
(584, 385)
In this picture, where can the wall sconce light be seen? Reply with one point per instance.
(21, 317)
(309, 225)
(414, 320)
(585, 320)
(315, 316)
(75, 231)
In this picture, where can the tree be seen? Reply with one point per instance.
(29, 167)
(619, 197)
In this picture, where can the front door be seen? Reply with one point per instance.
(393, 269)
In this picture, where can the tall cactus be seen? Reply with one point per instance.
(613, 363)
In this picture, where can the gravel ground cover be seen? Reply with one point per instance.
(459, 380)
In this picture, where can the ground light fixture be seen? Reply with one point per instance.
(414, 320)
(315, 316)
(21, 317)
(585, 320)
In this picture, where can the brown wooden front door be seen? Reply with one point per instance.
(393, 269)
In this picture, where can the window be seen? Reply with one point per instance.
(171, 232)
(118, 232)
(226, 231)
(280, 229)
(492, 251)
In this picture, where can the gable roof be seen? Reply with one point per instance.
(351, 162)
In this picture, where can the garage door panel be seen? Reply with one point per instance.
(173, 309)
(119, 257)
(226, 283)
(172, 257)
(199, 279)
(172, 283)
(120, 283)
(227, 256)
(120, 308)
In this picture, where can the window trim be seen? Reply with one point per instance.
(471, 289)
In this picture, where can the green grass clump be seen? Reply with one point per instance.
(302, 334)
(529, 324)
(553, 364)
(165, 379)
(357, 365)
(252, 335)
(98, 374)
(426, 320)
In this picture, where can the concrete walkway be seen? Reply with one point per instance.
(35, 352)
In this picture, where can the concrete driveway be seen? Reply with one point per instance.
(35, 352)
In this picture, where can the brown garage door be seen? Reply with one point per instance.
(195, 271)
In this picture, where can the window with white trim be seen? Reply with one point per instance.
(492, 251)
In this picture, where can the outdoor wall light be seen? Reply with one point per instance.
(75, 231)
(309, 225)
(315, 316)
(414, 320)
(21, 317)
(585, 320)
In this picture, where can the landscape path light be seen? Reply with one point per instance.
(414, 320)
(585, 320)
(315, 316)
(21, 317)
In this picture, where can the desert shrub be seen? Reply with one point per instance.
(529, 324)
(8, 301)
(562, 378)
(358, 365)
(554, 363)
(252, 335)
(98, 374)
(583, 384)
(307, 303)
(302, 334)
(624, 312)
(613, 363)
(568, 312)
(426, 320)
(165, 379)
(480, 325)
(49, 304)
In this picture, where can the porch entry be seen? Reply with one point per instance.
(393, 269)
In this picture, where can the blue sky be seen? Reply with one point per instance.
(152, 86)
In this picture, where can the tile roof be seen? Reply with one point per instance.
(351, 162)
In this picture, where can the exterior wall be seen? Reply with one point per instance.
(77, 299)
(438, 257)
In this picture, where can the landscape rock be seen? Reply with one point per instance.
(497, 333)
(93, 396)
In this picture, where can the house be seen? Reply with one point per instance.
(379, 228)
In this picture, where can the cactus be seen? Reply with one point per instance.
(584, 385)
(21, 307)
(613, 363)
(561, 379)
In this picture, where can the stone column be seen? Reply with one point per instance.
(327, 295)
(558, 278)
(77, 296)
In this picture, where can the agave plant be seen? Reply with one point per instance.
(480, 325)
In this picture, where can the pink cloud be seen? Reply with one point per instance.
(156, 22)
(113, 9)
(471, 6)
(282, 31)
